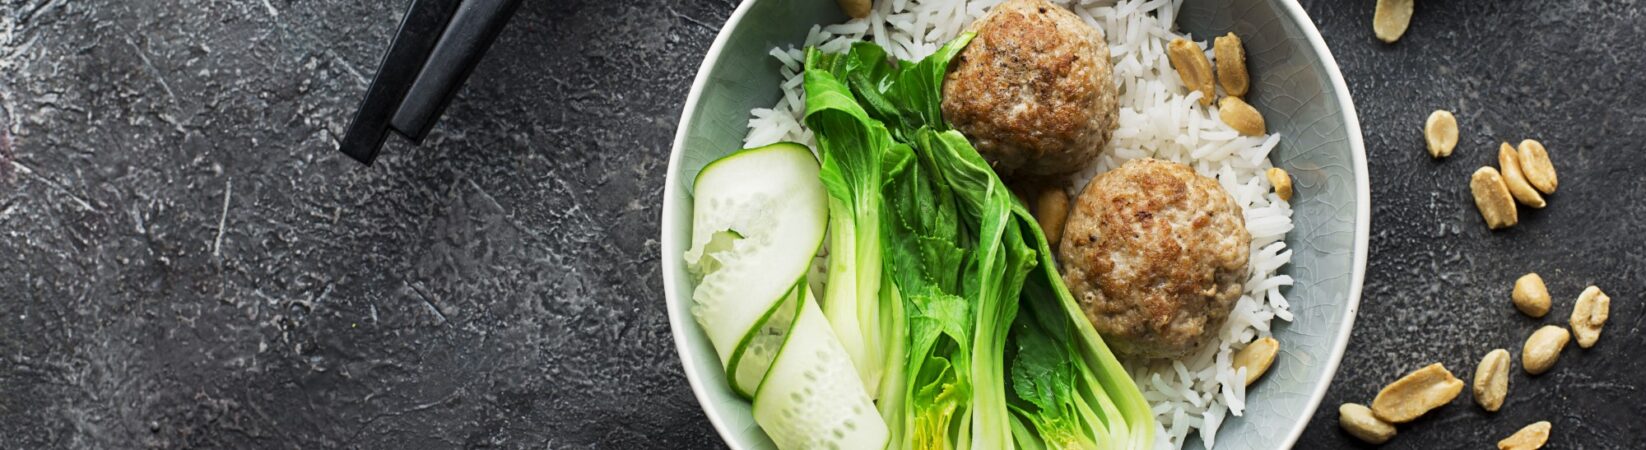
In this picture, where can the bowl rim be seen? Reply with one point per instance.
(1363, 214)
(671, 208)
(1363, 211)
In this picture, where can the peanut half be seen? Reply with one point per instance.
(1360, 423)
(1534, 162)
(1231, 65)
(1241, 116)
(1415, 394)
(1530, 296)
(1193, 67)
(1589, 315)
(1256, 357)
(1515, 180)
(1543, 348)
(1492, 380)
(1390, 19)
(1282, 182)
(1051, 209)
(1441, 133)
(1530, 438)
(857, 9)
(1493, 199)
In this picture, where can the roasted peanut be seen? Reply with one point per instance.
(1282, 182)
(1491, 384)
(1441, 133)
(1256, 357)
(1535, 164)
(1492, 198)
(1231, 65)
(1241, 116)
(1531, 297)
(1509, 163)
(1193, 67)
(1390, 19)
(1530, 438)
(1360, 423)
(857, 9)
(1589, 315)
(1051, 209)
(1543, 348)
(1416, 393)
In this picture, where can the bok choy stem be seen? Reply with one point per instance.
(851, 173)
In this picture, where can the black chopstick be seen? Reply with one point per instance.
(419, 32)
(473, 28)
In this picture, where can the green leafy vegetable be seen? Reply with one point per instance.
(932, 260)
(852, 153)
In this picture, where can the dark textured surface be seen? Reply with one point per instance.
(186, 262)
(1437, 283)
(497, 286)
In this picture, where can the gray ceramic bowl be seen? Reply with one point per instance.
(1297, 86)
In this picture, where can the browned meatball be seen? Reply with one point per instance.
(1033, 91)
(1156, 255)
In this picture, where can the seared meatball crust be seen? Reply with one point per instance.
(1034, 90)
(1156, 255)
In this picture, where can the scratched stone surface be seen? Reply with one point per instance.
(185, 261)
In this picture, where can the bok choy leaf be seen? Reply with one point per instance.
(962, 327)
(852, 151)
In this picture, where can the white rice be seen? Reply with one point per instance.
(1158, 119)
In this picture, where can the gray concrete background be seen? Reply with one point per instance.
(186, 262)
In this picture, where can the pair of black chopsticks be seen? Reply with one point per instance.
(439, 43)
